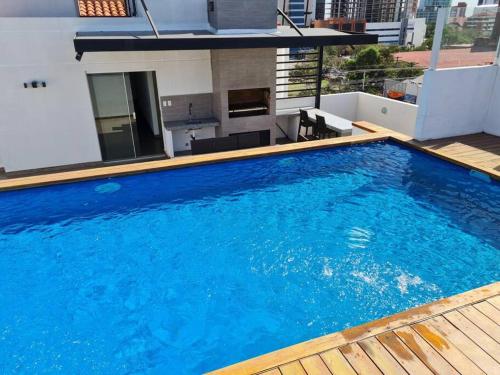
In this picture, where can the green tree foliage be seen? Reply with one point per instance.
(456, 35)
(373, 64)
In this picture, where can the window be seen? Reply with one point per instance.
(106, 8)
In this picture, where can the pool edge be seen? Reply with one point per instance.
(373, 328)
(376, 133)
(181, 162)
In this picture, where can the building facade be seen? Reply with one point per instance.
(429, 9)
(411, 32)
(369, 10)
(484, 18)
(186, 76)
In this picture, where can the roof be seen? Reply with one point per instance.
(102, 8)
(448, 58)
(284, 37)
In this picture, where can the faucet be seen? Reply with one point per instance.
(190, 111)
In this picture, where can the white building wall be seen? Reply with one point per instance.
(354, 106)
(391, 114)
(388, 32)
(343, 105)
(458, 101)
(55, 126)
(417, 35)
(492, 121)
(167, 14)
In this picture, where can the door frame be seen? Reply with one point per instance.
(158, 110)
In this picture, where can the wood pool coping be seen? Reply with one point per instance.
(376, 133)
(458, 334)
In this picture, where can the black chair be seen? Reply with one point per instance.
(323, 130)
(304, 121)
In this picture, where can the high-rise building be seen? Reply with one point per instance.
(412, 8)
(301, 12)
(484, 18)
(457, 14)
(487, 2)
(386, 10)
(430, 9)
(369, 10)
(323, 9)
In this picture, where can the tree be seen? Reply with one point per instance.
(371, 65)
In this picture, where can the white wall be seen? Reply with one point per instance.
(492, 121)
(343, 105)
(167, 14)
(389, 113)
(357, 106)
(458, 101)
(55, 125)
(417, 35)
(388, 32)
(36, 8)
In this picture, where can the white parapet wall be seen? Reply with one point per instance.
(354, 106)
(360, 106)
(459, 101)
(492, 119)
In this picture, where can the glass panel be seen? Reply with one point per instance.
(470, 36)
(113, 113)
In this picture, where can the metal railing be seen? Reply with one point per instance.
(298, 74)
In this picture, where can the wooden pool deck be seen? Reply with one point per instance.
(455, 335)
(479, 151)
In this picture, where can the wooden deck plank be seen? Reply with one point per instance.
(292, 368)
(482, 321)
(338, 339)
(273, 371)
(477, 355)
(403, 354)
(381, 357)
(442, 345)
(359, 360)
(477, 151)
(495, 301)
(314, 365)
(431, 358)
(337, 363)
(489, 310)
(474, 333)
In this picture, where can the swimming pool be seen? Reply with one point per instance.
(193, 269)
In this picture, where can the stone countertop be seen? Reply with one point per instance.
(201, 123)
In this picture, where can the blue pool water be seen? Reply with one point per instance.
(189, 270)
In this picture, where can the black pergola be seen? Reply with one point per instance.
(200, 39)
(204, 40)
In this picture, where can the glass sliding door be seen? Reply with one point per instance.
(114, 115)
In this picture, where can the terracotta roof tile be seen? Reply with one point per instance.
(102, 8)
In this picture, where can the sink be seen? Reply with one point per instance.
(192, 122)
